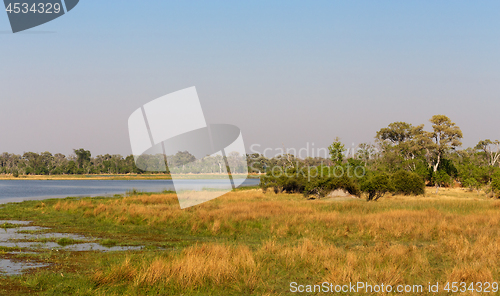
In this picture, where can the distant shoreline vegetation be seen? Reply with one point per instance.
(81, 164)
(402, 158)
(147, 176)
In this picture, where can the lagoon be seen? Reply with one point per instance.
(20, 190)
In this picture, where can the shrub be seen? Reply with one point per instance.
(495, 186)
(471, 183)
(65, 241)
(376, 185)
(408, 183)
(442, 179)
(290, 181)
(317, 181)
(324, 180)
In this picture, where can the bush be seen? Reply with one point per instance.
(321, 180)
(471, 183)
(317, 181)
(324, 180)
(408, 183)
(289, 181)
(442, 179)
(376, 185)
(495, 186)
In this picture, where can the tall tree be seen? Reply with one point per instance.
(403, 139)
(82, 157)
(446, 136)
(491, 150)
(396, 132)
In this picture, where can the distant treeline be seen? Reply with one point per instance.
(82, 162)
(31, 163)
(431, 156)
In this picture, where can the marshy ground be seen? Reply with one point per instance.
(253, 243)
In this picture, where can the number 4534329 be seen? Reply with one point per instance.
(34, 8)
(478, 287)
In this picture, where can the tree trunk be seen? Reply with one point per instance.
(437, 162)
(436, 168)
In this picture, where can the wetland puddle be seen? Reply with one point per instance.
(9, 267)
(18, 239)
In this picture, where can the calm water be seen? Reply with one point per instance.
(19, 190)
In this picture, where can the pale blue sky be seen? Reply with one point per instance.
(285, 72)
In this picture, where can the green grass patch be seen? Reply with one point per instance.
(6, 225)
(8, 249)
(65, 241)
(108, 242)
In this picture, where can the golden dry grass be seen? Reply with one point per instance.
(195, 266)
(280, 238)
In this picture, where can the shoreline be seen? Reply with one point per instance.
(113, 192)
(121, 177)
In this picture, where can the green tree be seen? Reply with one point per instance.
(38, 164)
(182, 158)
(396, 132)
(402, 144)
(82, 157)
(491, 150)
(71, 168)
(337, 150)
(446, 136)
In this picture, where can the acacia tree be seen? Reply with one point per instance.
(404, 139)
(445, 137)
(396, 132)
